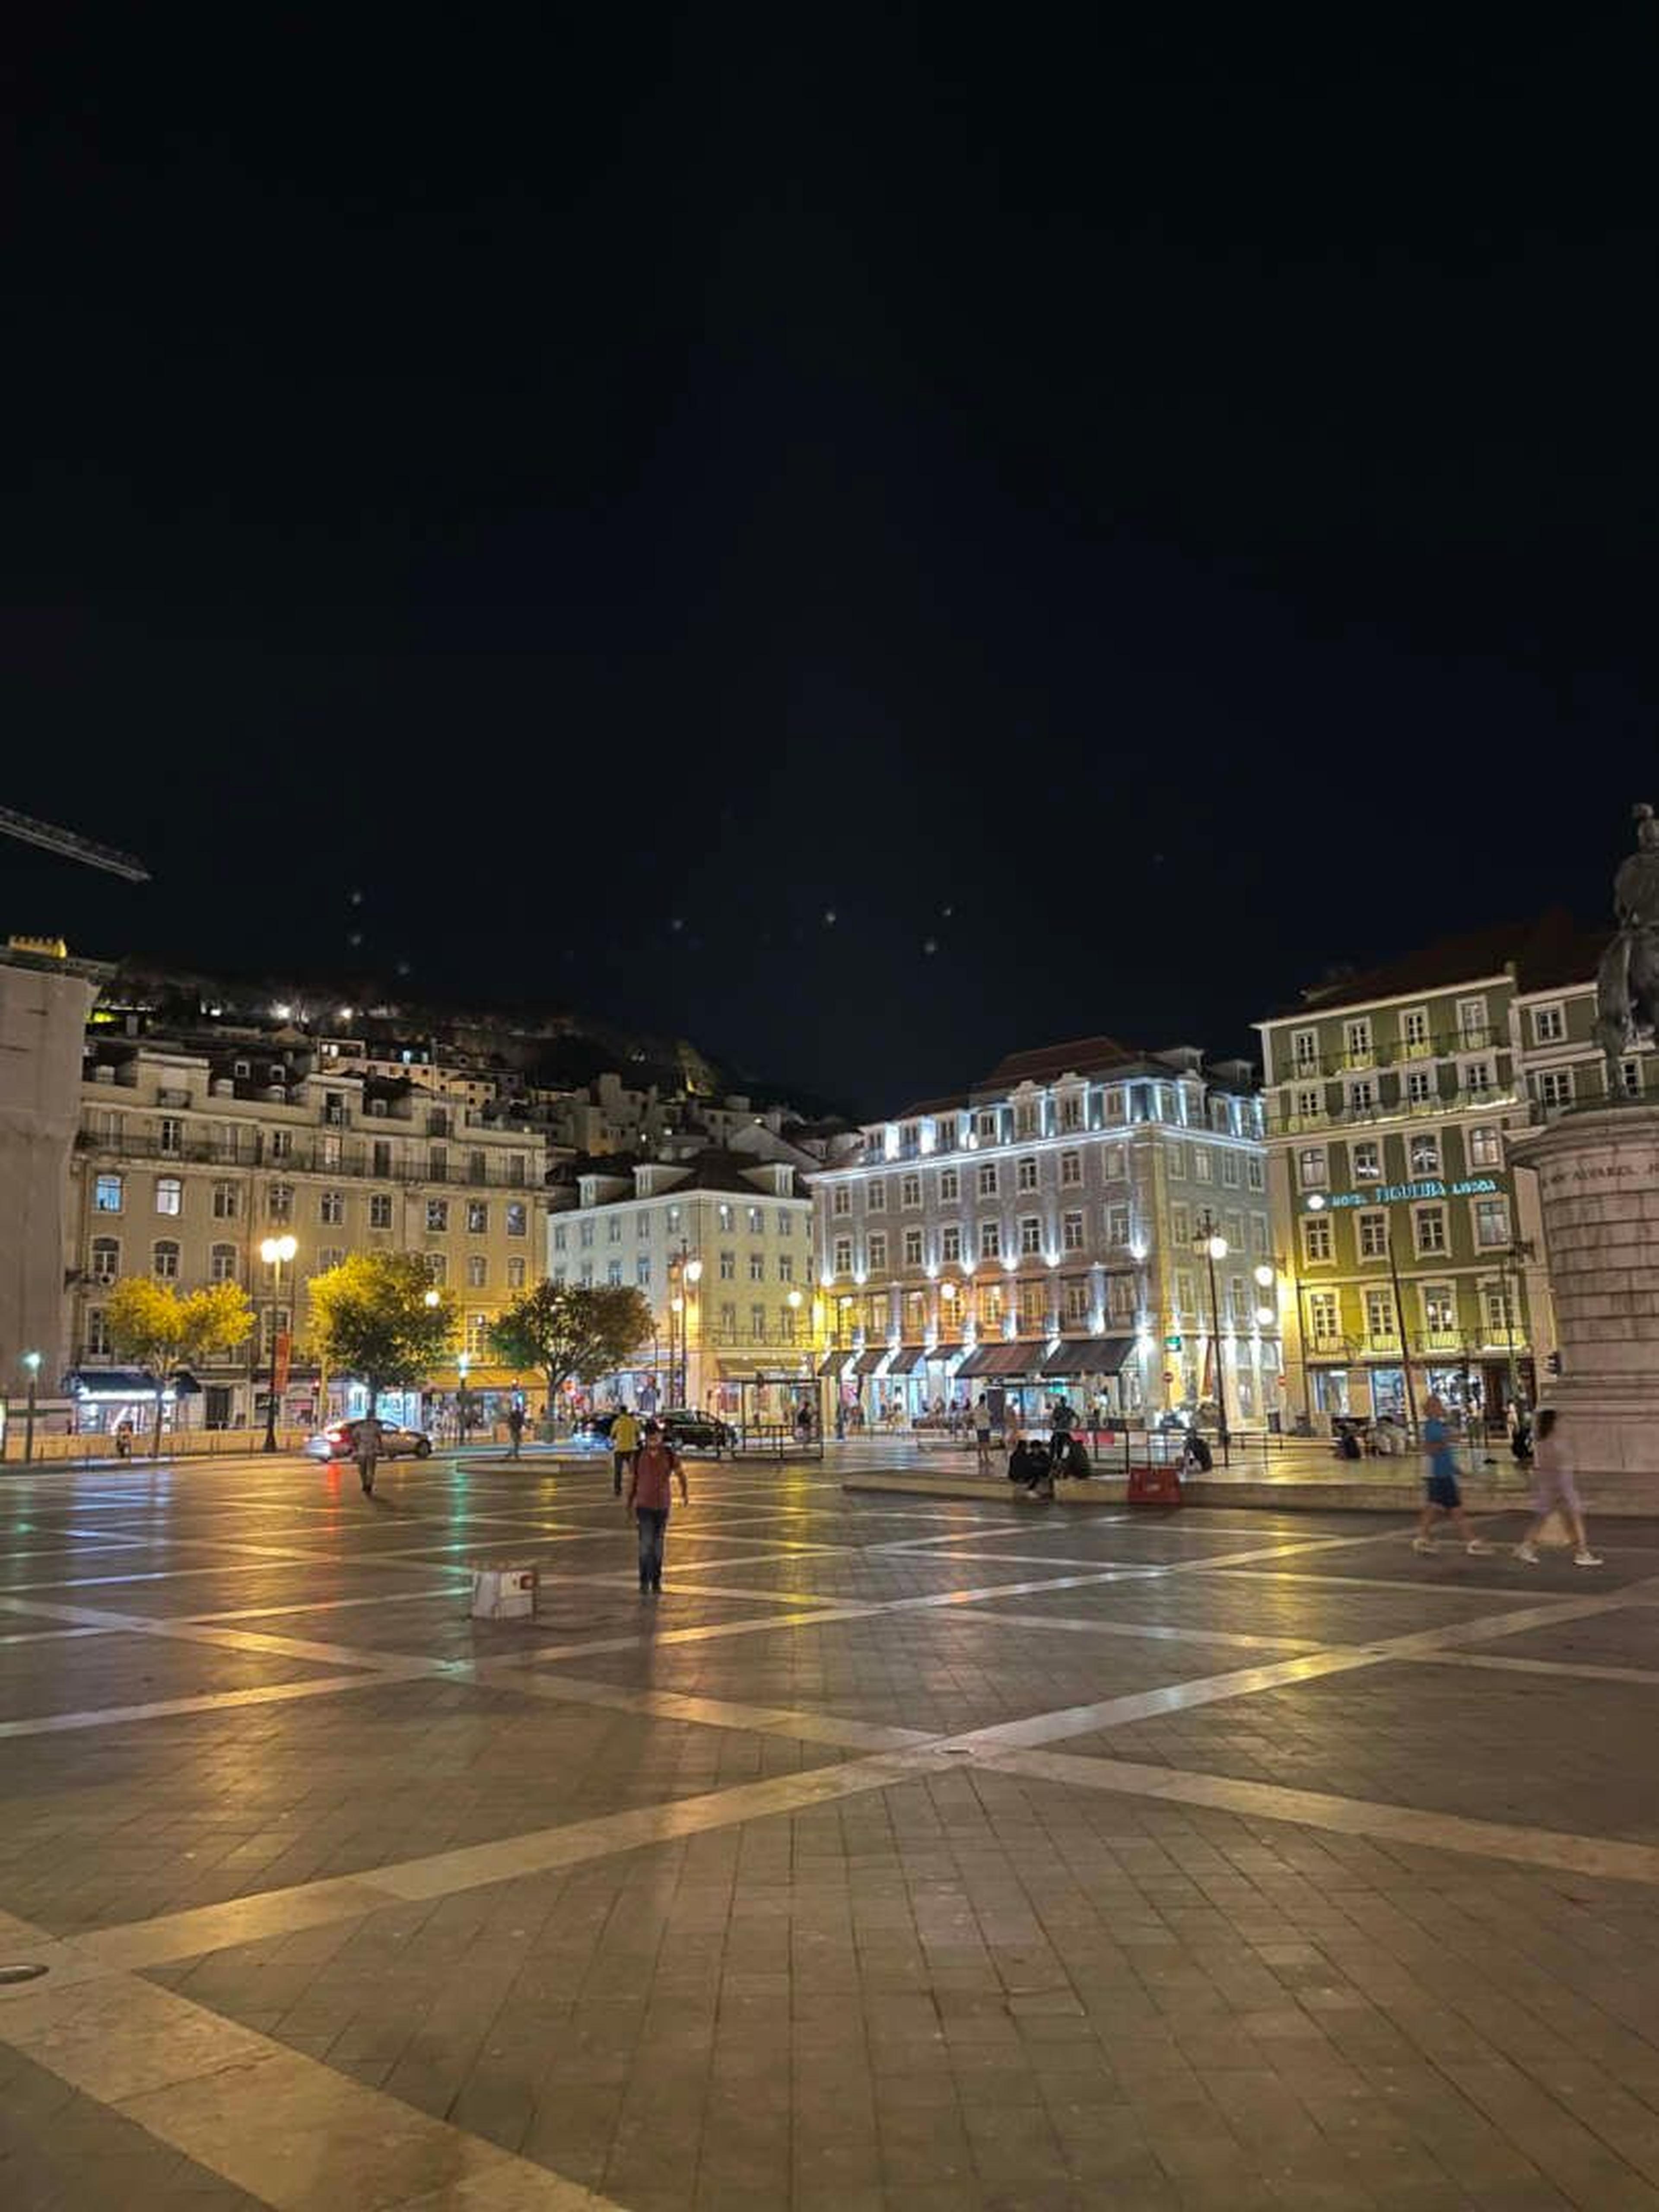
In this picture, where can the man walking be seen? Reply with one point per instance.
(624, 1442)
(515, 1428)
(655, 1466)
(982, 1433)
(1444, 1499)
(368, 1451)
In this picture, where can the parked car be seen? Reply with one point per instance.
(685, 1428)
(339, 1441)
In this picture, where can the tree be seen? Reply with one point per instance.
(157, 1327)
(379, 1316)
(573, 1333)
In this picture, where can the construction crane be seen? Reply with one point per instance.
(50, 840)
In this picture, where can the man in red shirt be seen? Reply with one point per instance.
(655, 1465)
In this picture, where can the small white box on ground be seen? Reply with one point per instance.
(501, 1592)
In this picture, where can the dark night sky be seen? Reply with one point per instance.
(1183, 507)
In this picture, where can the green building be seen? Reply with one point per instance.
(1409, 1248)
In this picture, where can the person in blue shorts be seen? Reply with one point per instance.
(1444, 1501)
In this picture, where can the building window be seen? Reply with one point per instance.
(843, 1249)
(477, 1335)
(1357, 1040)
(1472, 1034)
(949, 1241)
(518, 1217)
(1230, 1170)
(1310, 1168)
(279, 1201)
(1549, 1024)
(1111, 1105)
(515, 1272)
(757, 1267)
(723, 1219)
(97, 1334)
(477, 1270)
(1315, 1239)
(1362, 1094)
(1439, 1314)
(281, 1144)
(875, 1198)
(222, 1264)
(559, 1237)
(990, 1240)
(1324, 1324)
(1485, 1148)
(1379, 1319)
(786, 1222)
(1071, 1171)
(1025, 1173)
(912, 1247)
(877, 1251)
(613, 1273)
(990, 1308)
(1500, 1314)
(840, 1199)
(437, 1266)
(757, 1324)
(1367, 1160)
(642, 1271)
(165, 1260)
(1425, 1155)
(330, 1208)
(613, 1228)
(1183, 1292)
(1031, 1236)
(477, 1217)
(1112, 1162)
(105, 1259)
(379, 1210)
(1254, 1177)
(172, 1137)
(1429, 1225)
(728, 1266)
(1117, 1224)
(1026, 1116)
(1071, 1232)
(950, 1186)
(1180, 1221)
(1492, 1223)
(1630, 1078)
(1070, 1111)
(1419, 1086)
(1554, 1088)
(674, 1220)
(1414, 1032)
(910, 1190)
(987, 1181)
(1374, 1235)
(227, 1201)
(584, 1234)
(169, 1195)
(1074, 1297)
(329, 1255)
(757, 1221)
(786, 1264)
(587, 1275)
(437, 1215)
(1120, 1296)
(1203, 1164)
(1309, 1103)
(1304, 1051)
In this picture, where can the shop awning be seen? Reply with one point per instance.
(112, 1382)
(941, 1353)
(868, 1362)
(1000, 1359)
(832, 1363)
(1089, 1355)
(908, 1356)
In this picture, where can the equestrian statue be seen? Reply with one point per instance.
(1628, 980)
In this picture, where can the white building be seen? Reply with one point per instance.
(1051, 1230)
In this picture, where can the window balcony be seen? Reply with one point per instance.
(307, 1154)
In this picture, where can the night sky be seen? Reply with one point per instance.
(1118, 523)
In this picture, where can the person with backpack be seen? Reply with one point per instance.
(655, 1466)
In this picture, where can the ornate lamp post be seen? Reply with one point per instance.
(1214, 1246)
(274, 1252)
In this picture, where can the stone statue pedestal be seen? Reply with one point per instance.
(1598, 1189)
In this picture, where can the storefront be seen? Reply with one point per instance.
(1094, 1371)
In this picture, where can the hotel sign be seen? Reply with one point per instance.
(1408, 1193)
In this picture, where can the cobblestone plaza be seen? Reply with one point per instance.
(908, 1852)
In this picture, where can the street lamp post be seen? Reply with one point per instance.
(1215, 1247)
(1400, 1327)
(684, 1273)
(31, 1363)
(274, 1251)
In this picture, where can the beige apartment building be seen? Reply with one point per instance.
(720, 1244)
(189, 1157)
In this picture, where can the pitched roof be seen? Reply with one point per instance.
(1082, 1057)
(1550, 947)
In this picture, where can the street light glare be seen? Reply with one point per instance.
(694, 1271)
(1264, 1275)
(1217, 1247)
(277, 1247)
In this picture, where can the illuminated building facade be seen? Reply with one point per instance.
(1043, 1233)
(1392, 1097)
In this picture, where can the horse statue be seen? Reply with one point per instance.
(1627, 979)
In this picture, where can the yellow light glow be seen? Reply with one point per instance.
(1264, 1275)
(277, 1247)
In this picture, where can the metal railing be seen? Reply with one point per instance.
(308, 1155)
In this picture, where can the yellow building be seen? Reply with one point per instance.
(189, 1158)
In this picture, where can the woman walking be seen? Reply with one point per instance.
(1554, 1491)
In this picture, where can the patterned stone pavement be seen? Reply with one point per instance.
(907, 1853)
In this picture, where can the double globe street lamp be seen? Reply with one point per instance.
(275, 1251)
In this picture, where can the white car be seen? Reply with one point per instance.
(339, 1441)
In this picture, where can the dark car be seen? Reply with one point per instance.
(683, 1428)
(339, 1441)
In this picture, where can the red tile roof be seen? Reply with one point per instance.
(1549, 949)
